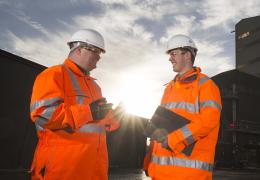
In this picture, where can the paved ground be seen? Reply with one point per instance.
(217, 175)
(126, 174)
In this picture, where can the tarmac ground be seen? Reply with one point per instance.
(223, 174)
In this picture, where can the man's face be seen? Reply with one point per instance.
(178, 60)
(90, 57)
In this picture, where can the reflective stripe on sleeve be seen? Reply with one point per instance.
(210, 103)
(45, 102)
(44, 117)
(203, 80)
(39, 122)
(187, 134)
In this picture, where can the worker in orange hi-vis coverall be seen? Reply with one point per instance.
(71, 116)
(194, 96)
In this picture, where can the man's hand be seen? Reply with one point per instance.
(159, 135)
(100, 108)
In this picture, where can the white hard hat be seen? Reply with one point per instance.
(182, 41)
(88, 36)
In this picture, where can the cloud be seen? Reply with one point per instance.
(20, 15)
(135, 32)
(182, 25)
(39, 50)
(210, 60)
(226, 13)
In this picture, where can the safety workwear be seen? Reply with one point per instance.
(195, 97)
(100, 108)
(181, 41)
(90, 37)
(71, 145)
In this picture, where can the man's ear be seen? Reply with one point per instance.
(78, 51)
(188, 55)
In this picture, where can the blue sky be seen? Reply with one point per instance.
(135, 67)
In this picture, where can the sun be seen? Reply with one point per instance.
(137, 96)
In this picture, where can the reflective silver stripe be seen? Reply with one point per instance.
(187, 134)
(39, 122)
(210, 103)
(92, 128)
(39, 128)
(182, 162)
(75, 84)
(44, 117)
(197, 105)
(203, 79)
(47, 113)
(192, 108)
(46, 102)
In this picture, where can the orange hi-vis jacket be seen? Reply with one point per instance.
(71, 145)
(195, 97)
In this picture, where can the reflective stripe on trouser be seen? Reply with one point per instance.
(87, 128)
(172, 161)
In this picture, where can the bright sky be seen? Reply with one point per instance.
(135, 68)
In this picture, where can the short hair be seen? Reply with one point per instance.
(188, 49)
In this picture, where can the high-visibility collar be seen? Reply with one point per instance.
(75, 69)
(82, 70)
(189, 76)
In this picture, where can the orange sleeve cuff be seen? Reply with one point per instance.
(175, 141)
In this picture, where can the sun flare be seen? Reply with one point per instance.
(137, 96)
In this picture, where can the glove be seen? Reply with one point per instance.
(100, 108)
(159, 135)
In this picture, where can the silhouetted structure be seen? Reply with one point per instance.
(239, 137)
(126, 146)
(17, 135)
(248, 45)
